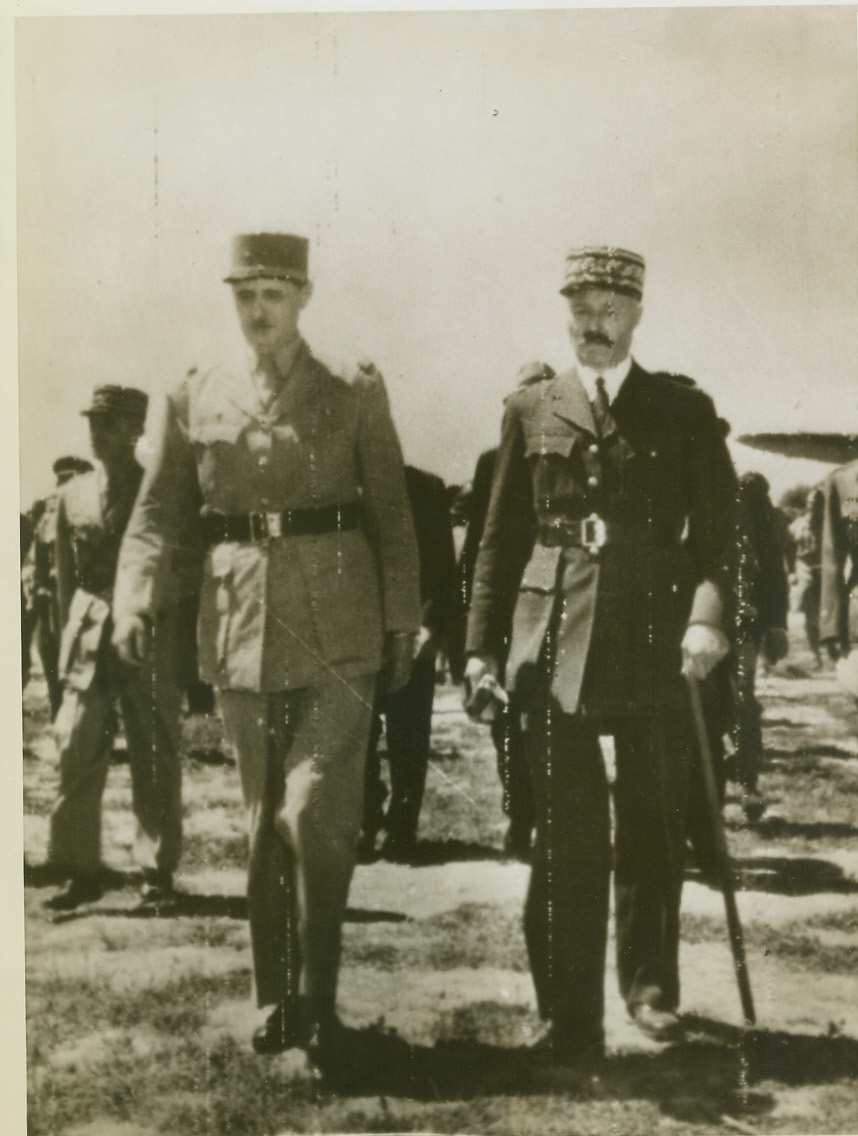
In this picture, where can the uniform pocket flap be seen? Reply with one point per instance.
(541, 442)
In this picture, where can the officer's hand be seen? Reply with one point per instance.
(775, 645)
(131, 637)
(398, 659)
(702, 647)
(833, 649)
(424, 643)
(476, 669)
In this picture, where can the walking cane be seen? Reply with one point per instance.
(724, 867)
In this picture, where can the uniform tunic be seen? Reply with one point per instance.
(290, 627)
(838, 617)
(91, 517)
(594, 647)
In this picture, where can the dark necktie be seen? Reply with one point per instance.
(601, 406)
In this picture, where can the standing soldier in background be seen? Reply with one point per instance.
(806, 532)
(293, 478)
(761, 619)
(42, 566)
(92, 514)
(408, 712)
(600, 472)
(838, 618)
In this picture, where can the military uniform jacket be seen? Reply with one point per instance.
(89, 527)
(840, 557)
(606, 625)
(287, 611)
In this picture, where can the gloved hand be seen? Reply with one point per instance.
(702, 648)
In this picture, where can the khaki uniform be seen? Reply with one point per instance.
(838, 617)
(291, 627)
(91, 518)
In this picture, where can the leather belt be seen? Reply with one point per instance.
(594, 532)
(219, 528)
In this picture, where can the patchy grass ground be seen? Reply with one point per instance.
(139, 1023)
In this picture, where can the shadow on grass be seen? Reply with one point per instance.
(823, 749)
(181, 905)
(787, 875)
(431, 853)
(699, 1080)
(776, 827)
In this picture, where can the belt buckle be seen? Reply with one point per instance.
(594, 533)
(274, 524)
(258, 525)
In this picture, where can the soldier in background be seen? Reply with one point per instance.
(25, 586)
(93, 510)
(408, 712)
(761, 620)
(806, 533)
(42, 568)
(838, 620)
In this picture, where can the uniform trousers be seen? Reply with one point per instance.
(408, 725)
(300, 756)
(513, 771)
(566, 911)
(85, 728)
(748, 726)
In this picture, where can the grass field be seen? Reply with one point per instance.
(139, 1022)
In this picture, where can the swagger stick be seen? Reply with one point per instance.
(722, 856)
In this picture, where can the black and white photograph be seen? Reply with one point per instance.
(438, 582)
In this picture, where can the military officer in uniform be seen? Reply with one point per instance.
(42, 567)
(604, 566)
(293, 478)
(838, 616)
(92, 513)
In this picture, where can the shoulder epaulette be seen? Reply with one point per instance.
(534, 372)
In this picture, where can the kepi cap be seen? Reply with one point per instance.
(68, 464)
(282, 256)
(110, 399)
(603, 266)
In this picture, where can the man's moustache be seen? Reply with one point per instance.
(596, 337)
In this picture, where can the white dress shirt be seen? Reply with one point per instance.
(614, 378)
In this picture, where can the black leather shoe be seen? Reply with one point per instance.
(79, 890)
(660, 1025)
(328, 1045)
(282, 1030)
(366, 853)
(157, 886)
(398, 849)
(516, 841)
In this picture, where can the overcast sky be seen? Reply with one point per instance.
(441, 164)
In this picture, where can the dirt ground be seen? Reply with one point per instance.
(139, 1022)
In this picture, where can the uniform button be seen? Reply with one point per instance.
(263, 460)
(594, 449)
(592, 482)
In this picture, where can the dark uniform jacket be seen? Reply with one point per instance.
(838, 618)
(761, 587)
(662, 483)
(439, 592)
(286, 612)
